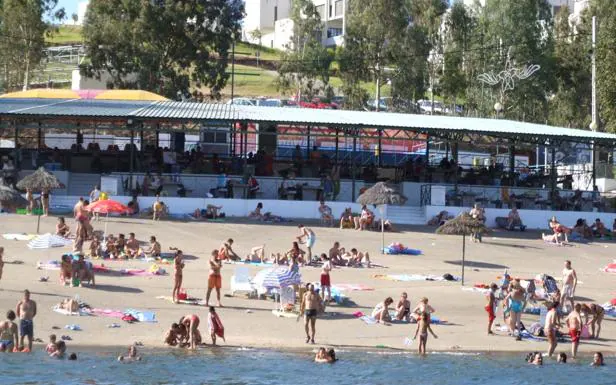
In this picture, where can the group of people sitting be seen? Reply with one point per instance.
(364, 221)
(121, 248)
(210, 212)
(580, 232)
(339, 256)
(386, 312)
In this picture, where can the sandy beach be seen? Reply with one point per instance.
(524, 254)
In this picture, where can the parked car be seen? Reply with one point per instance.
(426, 107)
(242, 102)
(371, 104)
(270, 103)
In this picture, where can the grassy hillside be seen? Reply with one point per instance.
(250, 80)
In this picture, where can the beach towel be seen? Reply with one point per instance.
(261, 264)
(141, 316)
(101, 269)
(610, 310)
(187, 301)
(285, 314)
(49, 265)
(19, 237)
(610, 268)
(215, 326)
(351, 287)
(411, 277)
(57, 309)
(47, 241)
(107, 313)
(527, 336)
(476, 290)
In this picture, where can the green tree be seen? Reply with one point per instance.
(170, 47)
(306, 60)
(22, 40)
(520, 33)
(606, 60)
(570, 106)
(374, 48)
(75, 18)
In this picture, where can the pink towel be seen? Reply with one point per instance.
(352, 287)
(107, 313)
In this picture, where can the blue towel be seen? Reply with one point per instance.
(142, 316)
(405, 251)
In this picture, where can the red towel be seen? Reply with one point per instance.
(216, 326)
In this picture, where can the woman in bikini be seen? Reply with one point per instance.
(381, 311)
(597, 312)
(403, 308)
(559, 229)
(296, 254)
(423, 324)
(191, 323)
(45, 202)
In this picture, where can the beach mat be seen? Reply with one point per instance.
(189, 301)
(610, 268)
(250, 263)
(49, 265)
(284, 314)
(19, 237)
(351, 287)
(412, 277)
(70, 313)
(107, 313)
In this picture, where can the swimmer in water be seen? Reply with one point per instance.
(131, 356)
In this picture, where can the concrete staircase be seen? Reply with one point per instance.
(82, 184)
(406, 215)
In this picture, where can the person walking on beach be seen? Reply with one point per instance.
(491, 306)
(423, 324)
(178, 263)
(550, 328)
(310, 305)
(569, 285)
(215, 279)
(310, 239)
(574, 323)
(26, 311)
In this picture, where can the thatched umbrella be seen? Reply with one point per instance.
(464, 224)
(380, 195)
(38, 181)
(11, 198)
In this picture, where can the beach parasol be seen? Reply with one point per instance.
(464, 224)
(107, 206)
(47, 241)
(11, 198)
(380, 195)
(38, 181)
(277, 278)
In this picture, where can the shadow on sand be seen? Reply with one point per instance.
(479, 265)
(116, 289)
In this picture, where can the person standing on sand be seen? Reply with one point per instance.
(1, 261)
(550, 328)
(178, 263)
(310, 240)
(423, 324)
(311, 302)
(26, 311)
(215, 279)
(515, 302)
(491, 306)
(569, 284)
(574, 323)
(326, 285)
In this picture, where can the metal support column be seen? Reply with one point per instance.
(379, 150)
(336, 156)
(353, 167)
(427, 164)
(594, 165)
(39, 137)
(512, 163)
(17, 161)
(553, 175)
(308, 143)
(232, 140)
(132, 161)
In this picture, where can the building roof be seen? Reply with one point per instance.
(180, 112)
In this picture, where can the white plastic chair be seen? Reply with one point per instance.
(240, 281)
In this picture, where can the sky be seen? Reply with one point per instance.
(69, 5)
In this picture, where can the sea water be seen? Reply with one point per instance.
(247, 366)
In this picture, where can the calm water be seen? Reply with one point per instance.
(229, 366)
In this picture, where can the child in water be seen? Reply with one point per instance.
(424, 325)
(51, 346)
(132, 355)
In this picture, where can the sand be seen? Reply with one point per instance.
(522, 253)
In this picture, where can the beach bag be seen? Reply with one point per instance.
(182, 295)
(585, 332)
(129, 318)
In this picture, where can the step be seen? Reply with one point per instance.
(407, 215)
(81, 184)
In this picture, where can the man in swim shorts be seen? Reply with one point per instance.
(215, 279)
(310, 239)
(310, 305)
(569, 285)
(26, 311)
(8, 333)
(550, 328)
(574, 322)
(491, 306)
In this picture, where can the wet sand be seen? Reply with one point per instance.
(524, 254)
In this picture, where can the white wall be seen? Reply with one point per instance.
(81, 82)
(533, 219)
(231, 207)
(82, 7)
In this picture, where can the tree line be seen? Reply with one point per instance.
(423, 48)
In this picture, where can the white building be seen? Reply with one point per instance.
(82, 7)
(272, 19)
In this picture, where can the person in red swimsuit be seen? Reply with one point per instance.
(191, 323)
(490, 306)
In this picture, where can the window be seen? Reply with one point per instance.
(331, 10)
(275, 13)
(214, 137)
(338, 7)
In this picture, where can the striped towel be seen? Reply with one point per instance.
(47, 241)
